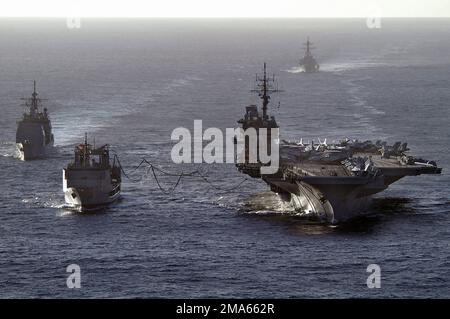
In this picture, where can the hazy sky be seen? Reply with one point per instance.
(226, 8)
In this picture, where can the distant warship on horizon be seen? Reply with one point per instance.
(308, 63)
(332, 181)
(34, 136)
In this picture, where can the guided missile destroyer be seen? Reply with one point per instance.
(332, 181)
(91, 181)
(34, 138)
(308, 63)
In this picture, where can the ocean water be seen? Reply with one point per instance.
(129, 83)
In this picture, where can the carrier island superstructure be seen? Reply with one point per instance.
(332, 181)
(34, 138)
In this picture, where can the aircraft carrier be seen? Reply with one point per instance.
(331, 181)
(34, 138)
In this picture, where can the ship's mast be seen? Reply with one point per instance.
(85, 149)
(308, 47)
(265, 97)
(33, 102)
(264, 87)
(34, 99)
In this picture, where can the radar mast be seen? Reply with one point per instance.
(264, 86)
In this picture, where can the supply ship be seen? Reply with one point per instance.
(91, 181)
(331, 181)
(34, 138)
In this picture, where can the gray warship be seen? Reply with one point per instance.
(330, 181)
(308, 63)
(91, 181)
(34, 138)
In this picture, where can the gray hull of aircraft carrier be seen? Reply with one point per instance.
(334, 192)
(332, 181)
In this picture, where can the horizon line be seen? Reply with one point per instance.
(224, 17)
